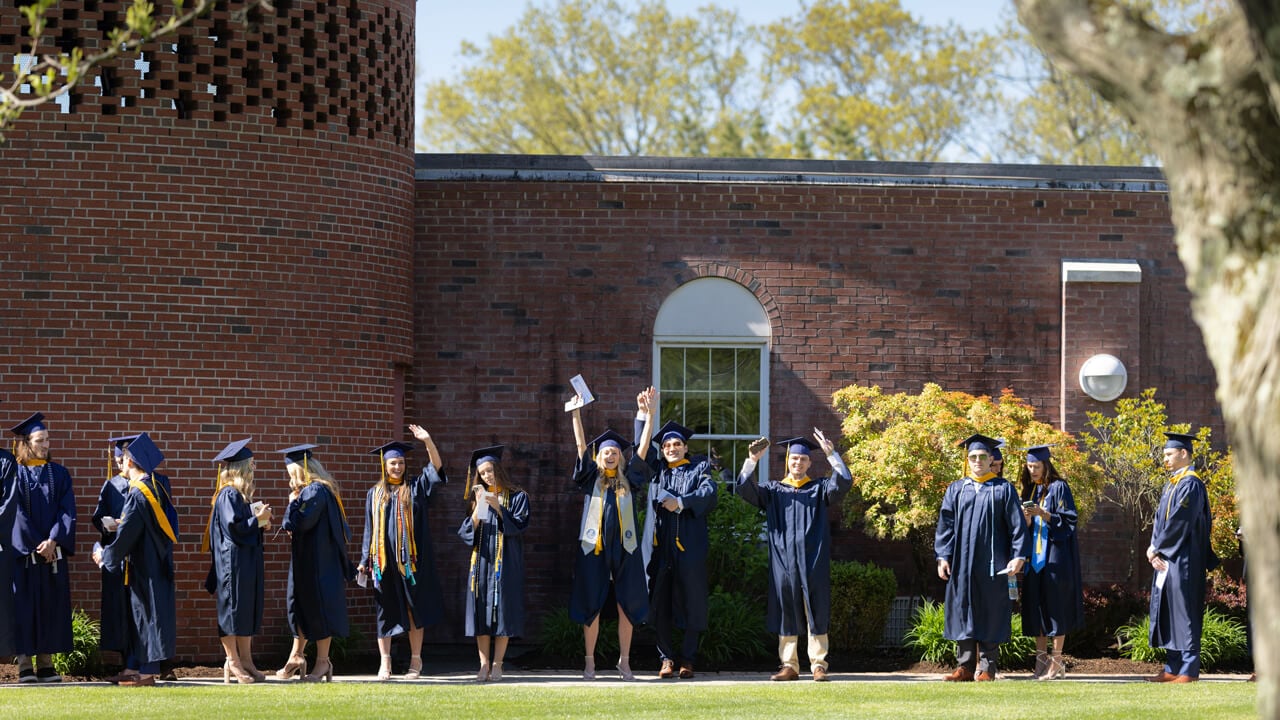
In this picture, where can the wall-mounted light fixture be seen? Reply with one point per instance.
(1103, 377)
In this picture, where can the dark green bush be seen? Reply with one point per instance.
(83, 658)
(1105, 610)
(1222, 640)
(738, 560)
(861, 598)
(736, 631)
(561, 637)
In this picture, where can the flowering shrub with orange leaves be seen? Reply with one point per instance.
(902, 451)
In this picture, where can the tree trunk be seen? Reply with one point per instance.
(1207, 103)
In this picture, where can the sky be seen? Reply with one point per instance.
(442, 25)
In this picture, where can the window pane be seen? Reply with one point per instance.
(697, 363)
(747, 415)
(697, 413)
(672, 377)
(748, 361)
(670, 407)
(723, 369)
(723, 420)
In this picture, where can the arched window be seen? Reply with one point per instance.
(711, 366)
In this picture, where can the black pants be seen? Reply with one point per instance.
(977, 656)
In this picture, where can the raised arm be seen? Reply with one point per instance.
(579, 435)
(434, 454)
(647, 403)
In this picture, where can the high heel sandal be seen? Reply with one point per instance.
(589, 667)
(1042, 663)
(233, 667)
(495, 672)
(415, 669)
(483, 674)
(1056, 670)
(296, 667)
(624, 669)
(316, 675)
(255, 673)
(384, 670)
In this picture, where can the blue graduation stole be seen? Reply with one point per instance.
(1040, 552)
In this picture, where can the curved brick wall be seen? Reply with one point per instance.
(219, 247)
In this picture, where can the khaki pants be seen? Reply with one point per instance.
(789, 650)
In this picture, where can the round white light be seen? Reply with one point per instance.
(1103, 377)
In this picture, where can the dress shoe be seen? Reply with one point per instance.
(984, 676)
(1253, 678)
(48, 675)
(668, 669)
(786, 672)
(121, 676)
(686, 671)
(139, 681)
(1163, 677)
(820, 674)
(961, 674)
(1180, 679)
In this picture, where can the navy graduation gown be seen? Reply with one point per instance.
(1180, 535)
(799, 549)
(115, 616)
(319, 569)
(144, 553)
(46, 509)
(1053, 598)
(980, 529)
(682, 573)
(397, 598)
(496, 606)
(236, 578)
(593, 573)
(8, 488)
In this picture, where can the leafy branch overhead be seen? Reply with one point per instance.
(41, 77)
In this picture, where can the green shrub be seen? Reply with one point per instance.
(735, 632)
(561, 637)
(83, 658)
(1222, 640)
(926, 638)
(861, 598)
(738, 560)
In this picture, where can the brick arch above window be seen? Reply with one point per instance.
(771, 316)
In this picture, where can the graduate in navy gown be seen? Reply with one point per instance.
(609, 539)
(8, 488)
(980, 539)
(1052, 592)
(319, 568)
(1181, 554)
(396, 550)
(114, 618)
(799, 529)
(43, 539)
(494, 529)
(141, 553)
(681, 496)
(233, 537)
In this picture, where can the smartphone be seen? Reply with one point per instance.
(1029, 504)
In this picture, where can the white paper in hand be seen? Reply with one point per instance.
(584, 396)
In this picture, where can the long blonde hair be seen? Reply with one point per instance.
(238, 475)
(309, 471)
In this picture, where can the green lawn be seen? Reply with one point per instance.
(897, 700)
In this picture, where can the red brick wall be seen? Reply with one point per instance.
(530, 270)
(237, 265)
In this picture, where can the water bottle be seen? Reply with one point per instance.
(1013, 587)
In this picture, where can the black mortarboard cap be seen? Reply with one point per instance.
(493, 454)
(979, 442)
(393, 449)
(30, 425)
(673, 429)
(610, 437)
(297, 453)
(118, 444)
(1038, 453)
(145, 453)
(235, 451)
(798, 445)
(1180, 440)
